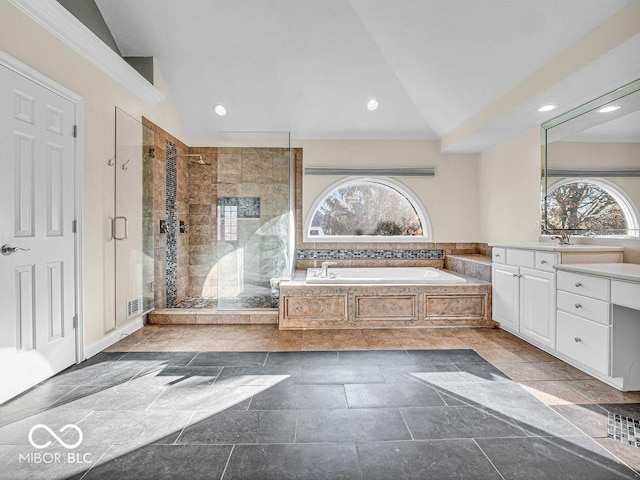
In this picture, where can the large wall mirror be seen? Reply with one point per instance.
(591, 167)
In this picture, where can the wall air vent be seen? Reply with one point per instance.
(134, 307)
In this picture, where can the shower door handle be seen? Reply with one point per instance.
(114, 228)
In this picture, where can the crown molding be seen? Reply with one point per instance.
(63, 25)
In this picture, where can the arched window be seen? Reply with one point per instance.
(585, 204)
(367, 209)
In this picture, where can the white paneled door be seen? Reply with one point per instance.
(37, 257)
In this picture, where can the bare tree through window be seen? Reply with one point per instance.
(366, 208)
(584, 206)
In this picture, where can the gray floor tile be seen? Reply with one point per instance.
(445, 356)
(375, 357)
(341, 374)
(300, 397)
(216, 397)
(438, 372)
(540, 420)
(233, 427)
(281, 376)
(487, 394)
(302, 358)
(174, 375)
(376, 395)
(150, 359)
(351, 426)
(568, 458)
(230, 359)
(435, 459)
(162, 462)
(131, 427)
(290, 462)
(100, 374)
(128, 396)
(483, 372)
(36, 398)
(458, 422)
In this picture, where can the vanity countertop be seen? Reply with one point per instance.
(629, 272)
(556, 247)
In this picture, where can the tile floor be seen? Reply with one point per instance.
(252, 402)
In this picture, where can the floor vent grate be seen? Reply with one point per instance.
(624, 429)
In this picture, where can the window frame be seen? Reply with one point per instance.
(402, 189)
(628, 207)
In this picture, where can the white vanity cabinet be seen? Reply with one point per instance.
(598, 321)
(524, 294)
(524, 285)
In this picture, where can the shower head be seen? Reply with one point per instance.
(194, 158)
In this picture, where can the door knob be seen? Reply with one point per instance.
(7, 250)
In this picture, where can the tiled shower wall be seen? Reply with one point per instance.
(161, 137)
(202, 198)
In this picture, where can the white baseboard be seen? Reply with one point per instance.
(112, 337)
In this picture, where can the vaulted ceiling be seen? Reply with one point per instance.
(310, 66)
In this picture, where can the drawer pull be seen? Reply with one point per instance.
(543, 262)
(577, 305)
(578, 284)
(577, 339)
(496, 254)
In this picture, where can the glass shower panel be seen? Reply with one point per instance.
(254, 219)
(132, 224)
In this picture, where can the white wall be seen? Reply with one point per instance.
(450, 198)
(509, 190)
(27, 41)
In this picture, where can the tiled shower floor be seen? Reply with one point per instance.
(427, 404)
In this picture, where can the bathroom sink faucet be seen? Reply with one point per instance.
(565, 238)
(325, 268)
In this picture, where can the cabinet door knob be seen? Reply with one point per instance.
(497, 255)
(578, 284)
(578, 339)
(515, 275)
(577, 305)
(543, 262)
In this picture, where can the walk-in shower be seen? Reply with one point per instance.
(228, 222)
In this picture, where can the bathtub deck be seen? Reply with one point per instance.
(304, 306)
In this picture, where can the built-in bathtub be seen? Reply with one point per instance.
(383, 298)
(382, 276)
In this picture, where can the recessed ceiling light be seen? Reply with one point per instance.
(547, 108)
(220, 110)
(609, 108)
(373, 105)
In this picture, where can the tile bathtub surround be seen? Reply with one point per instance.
(356, 414)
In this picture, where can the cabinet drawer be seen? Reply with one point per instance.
(594, 287)
(584, 341)
(584, 307)
(626, 294)
(546, 260)
(498, 255)
(520, 258)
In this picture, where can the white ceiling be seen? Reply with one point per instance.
(309, 66)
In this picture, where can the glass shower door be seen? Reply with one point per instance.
(132, 224)
(254, 219)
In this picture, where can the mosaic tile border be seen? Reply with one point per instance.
(624, 429)
(171, 277)
(370, 254)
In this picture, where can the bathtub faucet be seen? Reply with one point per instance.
(325, 268)
(564, 238)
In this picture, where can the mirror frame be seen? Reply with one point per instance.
(588, 107)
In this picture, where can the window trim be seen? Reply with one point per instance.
(402, 189)
(628, 207)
